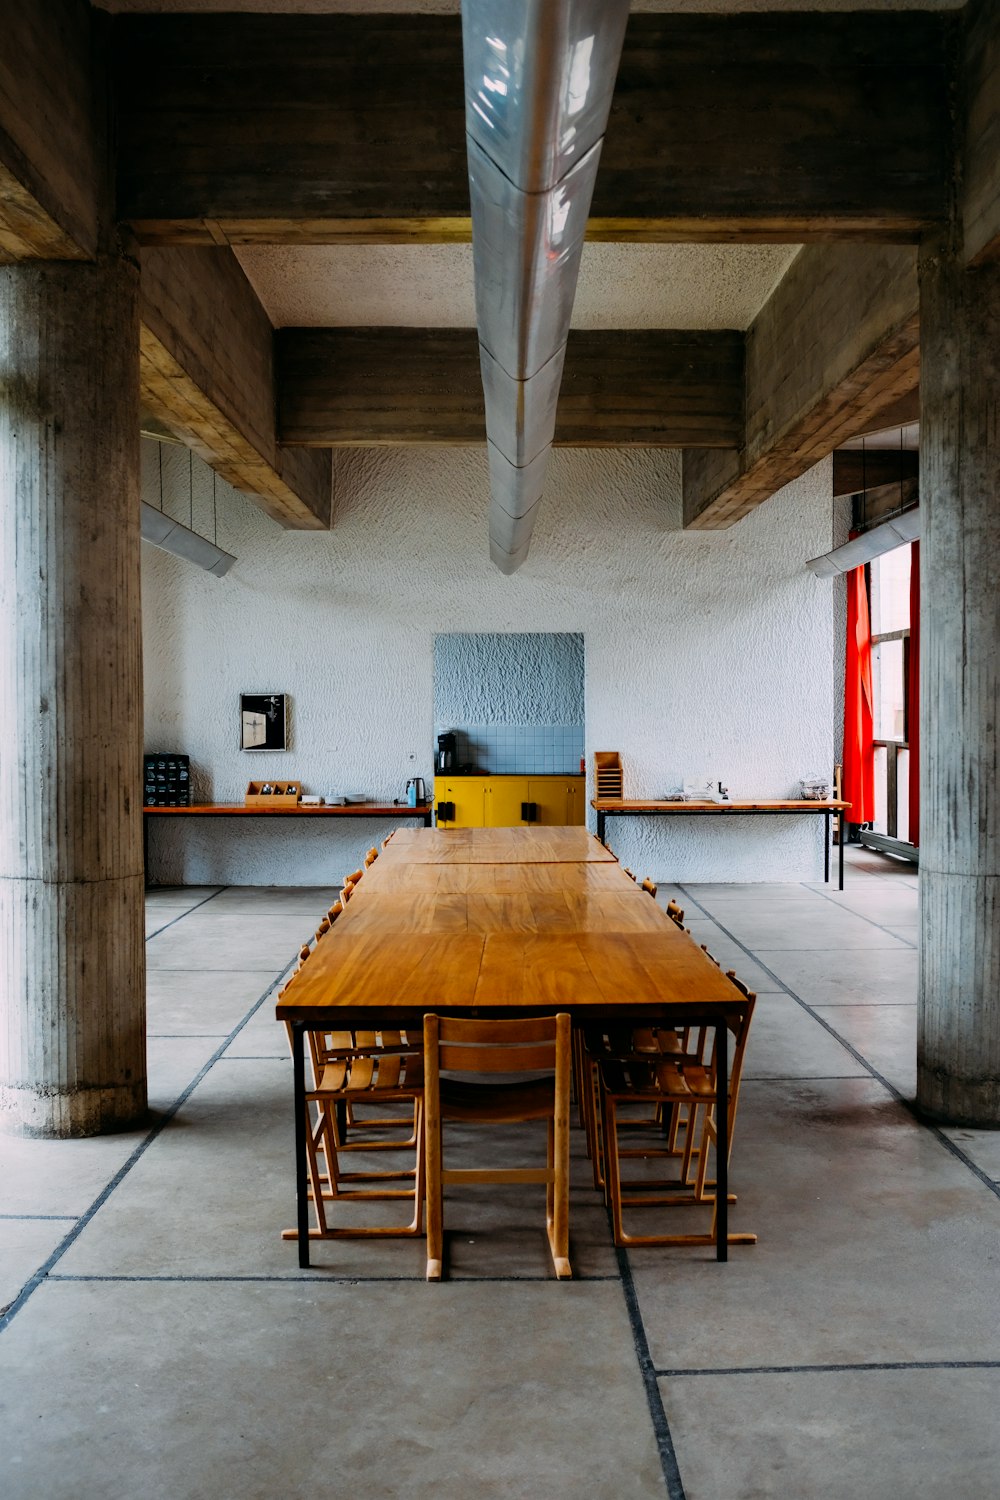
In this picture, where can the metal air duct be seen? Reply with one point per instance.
(870, 544)
(539, 76)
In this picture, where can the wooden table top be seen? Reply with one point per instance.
(493, 846)
(530, 912)
(417, 878)
(797, 805)
(365, 977)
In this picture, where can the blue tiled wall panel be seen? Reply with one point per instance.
(519, 749)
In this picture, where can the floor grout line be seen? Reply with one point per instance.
(654, 1396)
(874, 1365)
(908, 1104)
(56, 1218)
(320, 1277)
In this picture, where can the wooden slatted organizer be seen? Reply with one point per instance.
(607, 773)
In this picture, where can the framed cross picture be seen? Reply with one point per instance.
(262, 721)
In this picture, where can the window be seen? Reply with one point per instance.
(889, 589)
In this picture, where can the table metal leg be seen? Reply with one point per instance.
(826, 848)
(301, 1162)
(840, 850)
(721, 1140)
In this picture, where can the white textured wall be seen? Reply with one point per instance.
(705, 652)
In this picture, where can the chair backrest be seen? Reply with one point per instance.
(346, 893)
(371, 856)
(334, 912)
(323, 928)
(387, 838)
(354, 877)
(628, 872)
(522, 1045)
(649, 886)
(675, 913)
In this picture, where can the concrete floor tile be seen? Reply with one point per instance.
(786, 1042)
(185, 1002)
(232, 940)
(396, 1390)
(310, 902)
(879, 976)
(731, 955)
(60, 1177)
(874, 1243)
(806, 928)
(172, 1064)
(844, 1435)
(980, 1146)
(233, 1131)
(762, 891)
(185, 896)
(25, 1245)
(886, 1035)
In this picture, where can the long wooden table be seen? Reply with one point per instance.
(618, 807)
(489, 937)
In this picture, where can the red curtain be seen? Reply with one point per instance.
(913, 725)
(859, 752)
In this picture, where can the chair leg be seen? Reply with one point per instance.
(559, 1162)
(435, 1228)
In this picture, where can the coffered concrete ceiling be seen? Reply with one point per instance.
(620, 286)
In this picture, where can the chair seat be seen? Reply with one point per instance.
(496, 1102)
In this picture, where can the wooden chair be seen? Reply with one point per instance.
(371, 857)
(350, 881)
(353, 1068)
(671, 1079)
(649, 886)
(493, 1048)
(388, 838)
(628, 872)
(675, 913)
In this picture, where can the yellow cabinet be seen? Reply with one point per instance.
(498, 801)
(505, 799)
(465, 796)
(557, 800)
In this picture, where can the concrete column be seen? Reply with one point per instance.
(959, 1030)
(72, 1001)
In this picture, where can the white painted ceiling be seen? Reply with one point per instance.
(428, 286)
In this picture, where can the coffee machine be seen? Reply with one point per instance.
(445, 759)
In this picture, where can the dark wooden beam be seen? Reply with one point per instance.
(836, 343)
(53, 170)
(207, 373)
(857, 470)
(368, 386)
(981, 164)
(313, 129)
